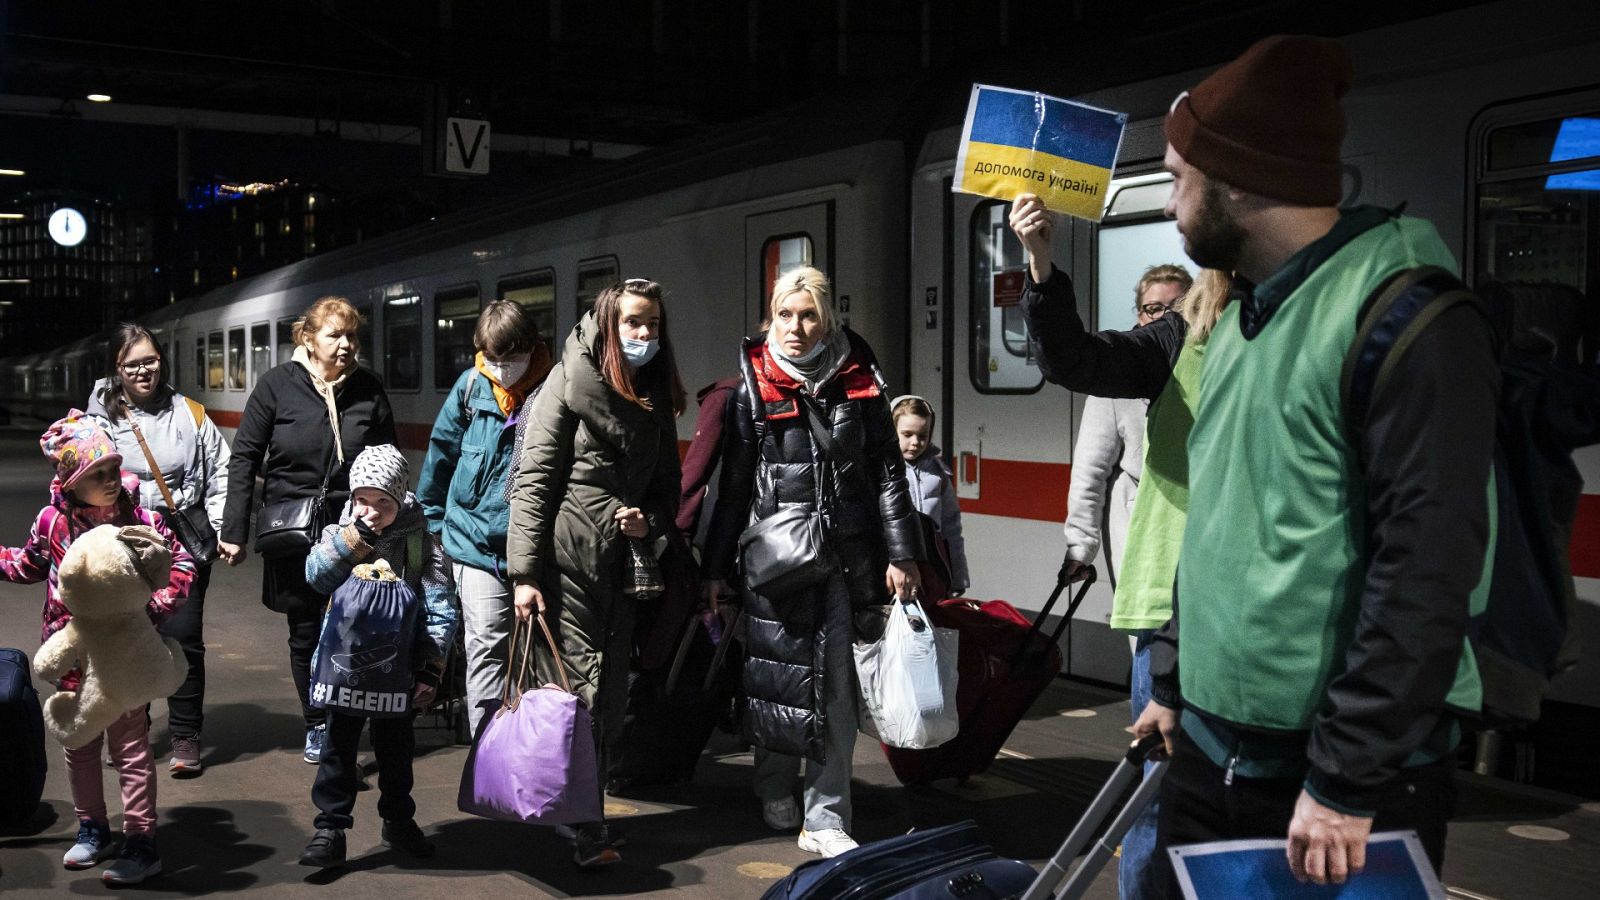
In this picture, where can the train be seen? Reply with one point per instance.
(1458, 116)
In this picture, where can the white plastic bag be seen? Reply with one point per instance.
(908, 681)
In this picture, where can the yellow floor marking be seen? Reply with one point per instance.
(614, 808)
(764, 870)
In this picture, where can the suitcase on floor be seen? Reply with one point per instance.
(22, 759)
(954, 862)
(948, 862)
(671, 714)
(1005, 663)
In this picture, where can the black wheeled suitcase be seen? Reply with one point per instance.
(670, 716)
(22, 759)
(953, 862)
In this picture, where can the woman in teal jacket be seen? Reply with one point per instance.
(463, 487)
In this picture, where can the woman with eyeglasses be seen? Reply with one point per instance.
(137, 402)
(597, 484)
(304, 423)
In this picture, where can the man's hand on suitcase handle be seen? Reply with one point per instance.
(1325, 845)
(1157, 720)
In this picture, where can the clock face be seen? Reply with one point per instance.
(67, 227)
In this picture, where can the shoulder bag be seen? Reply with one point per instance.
(787, 552)
(292, 527)
(191, 525)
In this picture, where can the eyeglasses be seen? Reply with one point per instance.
(152, 364)
(1155, 310)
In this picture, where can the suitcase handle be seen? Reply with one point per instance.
(1062, 580)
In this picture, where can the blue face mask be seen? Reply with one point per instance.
(639, 352)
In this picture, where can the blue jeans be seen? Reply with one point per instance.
(1138, 876)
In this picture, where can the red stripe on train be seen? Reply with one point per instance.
(1585, 547)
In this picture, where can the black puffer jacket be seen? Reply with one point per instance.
(866, 507)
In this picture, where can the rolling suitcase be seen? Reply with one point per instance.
(669, 721)
(1004, 664)
(22, 759)
(954, 862)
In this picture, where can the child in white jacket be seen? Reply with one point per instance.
(930, 481)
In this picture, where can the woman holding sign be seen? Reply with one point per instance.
(810, 431)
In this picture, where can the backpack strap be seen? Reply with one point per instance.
(466, 394)
(196, 410)
(1389, 322)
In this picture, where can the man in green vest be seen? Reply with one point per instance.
(1327, 574)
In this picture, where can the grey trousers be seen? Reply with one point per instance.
(486, 615)
(827, 785)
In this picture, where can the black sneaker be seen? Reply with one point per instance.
(594, 847)
(326, 849)
(404, 835)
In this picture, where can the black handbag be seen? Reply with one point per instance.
(787, 552)
(192, 525)
(292, 527)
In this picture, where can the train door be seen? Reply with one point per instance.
(781, 240)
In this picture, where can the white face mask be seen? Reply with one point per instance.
(639, 352)
(508, 371)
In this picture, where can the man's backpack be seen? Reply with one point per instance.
(1521, 638)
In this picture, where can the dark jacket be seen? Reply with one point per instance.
(1117, 364)
(588, 452)
(866, 509)
(285, 438)
(705, 451)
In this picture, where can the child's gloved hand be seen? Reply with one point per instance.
(368, 536)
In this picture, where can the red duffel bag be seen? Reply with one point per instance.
(1005, 663)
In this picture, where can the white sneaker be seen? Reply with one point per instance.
(781, 815)
(829, 842)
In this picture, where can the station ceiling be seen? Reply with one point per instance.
(633, 72)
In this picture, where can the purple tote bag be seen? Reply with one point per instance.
(534, 759)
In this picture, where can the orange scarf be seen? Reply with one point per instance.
(510, 398)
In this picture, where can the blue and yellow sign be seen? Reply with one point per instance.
(1021, 141)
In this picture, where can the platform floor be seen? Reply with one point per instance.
(240, 826)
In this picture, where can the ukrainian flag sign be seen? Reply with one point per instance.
(1022, 141)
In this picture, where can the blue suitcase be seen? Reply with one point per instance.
(22, 759)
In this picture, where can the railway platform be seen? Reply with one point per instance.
(239, 827)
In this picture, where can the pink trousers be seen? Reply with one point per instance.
(128, 741)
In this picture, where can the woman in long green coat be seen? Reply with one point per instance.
(599, 466)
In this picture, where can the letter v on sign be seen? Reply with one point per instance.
(467, 146)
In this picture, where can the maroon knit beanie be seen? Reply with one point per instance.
(1269, 122)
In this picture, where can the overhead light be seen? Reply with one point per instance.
(11, 215)
(99, 98)
(16, 281)
(12, 172)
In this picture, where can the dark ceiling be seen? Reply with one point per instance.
(629, 71)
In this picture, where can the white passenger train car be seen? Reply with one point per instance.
(1455, 116)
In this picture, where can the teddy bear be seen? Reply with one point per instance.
(105, 580)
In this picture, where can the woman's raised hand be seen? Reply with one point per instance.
(631, 520)
(528, 600)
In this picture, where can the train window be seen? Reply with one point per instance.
(456, 315)
(199, 362)
(172, 357)
(402, 342)
(535, 292)
(1538, 216)
(214, 361)
(286, 337)
(594, 276)
(779, 255)
(1123, 255)
(236, 359)
(1000, 361)
(260, 350)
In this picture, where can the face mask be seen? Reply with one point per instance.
(809, 355)
(508, 371)
(639, 352)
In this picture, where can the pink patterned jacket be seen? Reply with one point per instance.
(54, 530)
